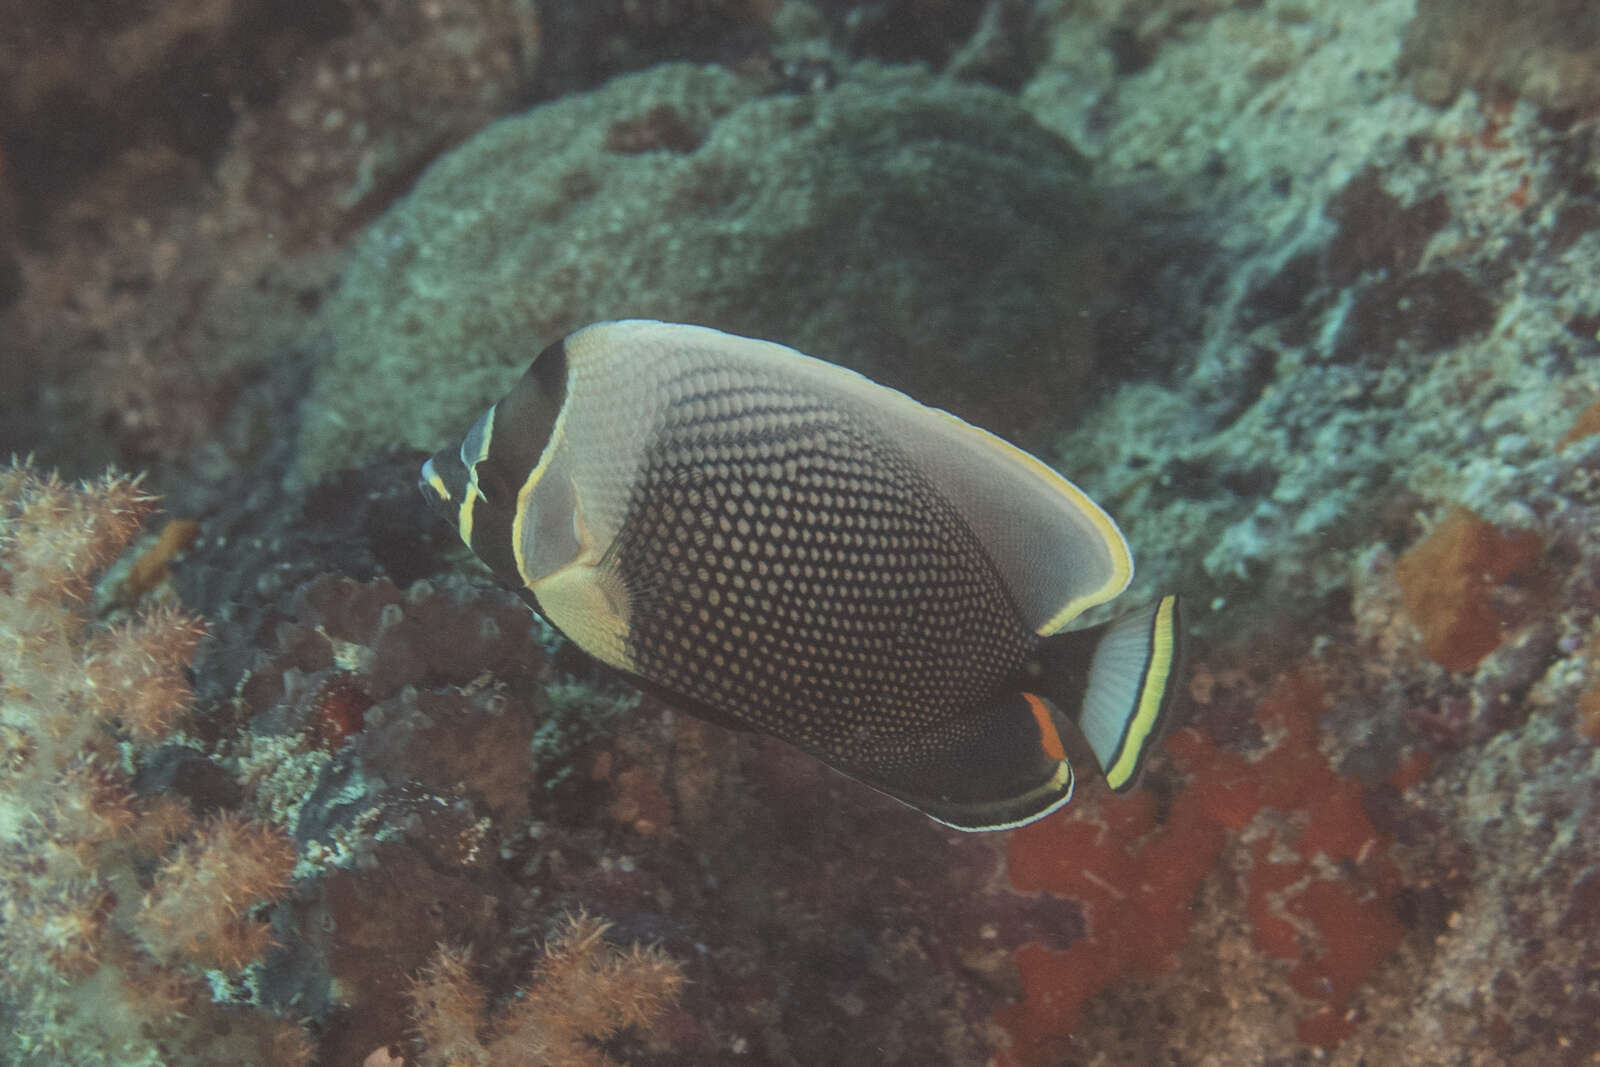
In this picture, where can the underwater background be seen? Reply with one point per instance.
(1305, 294)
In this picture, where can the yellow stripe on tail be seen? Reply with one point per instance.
(1132, 676)
(1154, 695)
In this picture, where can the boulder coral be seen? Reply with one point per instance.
(690, 194)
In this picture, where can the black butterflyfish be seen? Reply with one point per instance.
(775, 543)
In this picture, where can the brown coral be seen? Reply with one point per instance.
(139, 668)
(1587, 422)
(74, 838)
(583, 991)
(1543, 50)
(450, 1009)
(1445, 581)
(57, 537)
(199, 908)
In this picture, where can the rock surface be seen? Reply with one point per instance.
(929, 234)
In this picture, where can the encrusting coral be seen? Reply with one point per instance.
(100, 965)
(584, 990)
(1446, 580)
(1310, 866)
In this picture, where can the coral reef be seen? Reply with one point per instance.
(1343, 868)
(394, 735)
(735, 234)
(584, 42)
(197, 909)
(79, 88)
(1311, 303)
(131, 292)
(1547, 51)
(104, 961)
(1349, 347)
(1502, 829)
(453, 774)
(371, 108)
(176, 241)
(1446, 580)
(582, 991)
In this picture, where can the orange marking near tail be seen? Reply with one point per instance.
(1047, 727)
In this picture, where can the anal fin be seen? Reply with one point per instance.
(1015, 770)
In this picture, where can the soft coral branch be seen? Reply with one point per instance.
(449, 1008)
(57, 537)
(583, 991)
(140, 668)
(80, 977)
(199, 908)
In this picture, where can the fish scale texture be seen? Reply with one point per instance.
(790, 567)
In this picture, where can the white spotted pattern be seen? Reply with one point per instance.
(790, 569)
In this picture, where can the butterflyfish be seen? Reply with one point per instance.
(779, 544)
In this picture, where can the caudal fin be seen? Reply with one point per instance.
(1119, 680)
(1128, 689)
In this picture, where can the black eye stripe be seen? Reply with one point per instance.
(524, 420)
(494, 486)
(448, 480)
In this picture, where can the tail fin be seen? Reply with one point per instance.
(1124, 694)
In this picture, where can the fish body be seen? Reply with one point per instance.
(779, 544)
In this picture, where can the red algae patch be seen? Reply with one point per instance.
(1445, 580)
(1134, 879)
(1318, 886)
